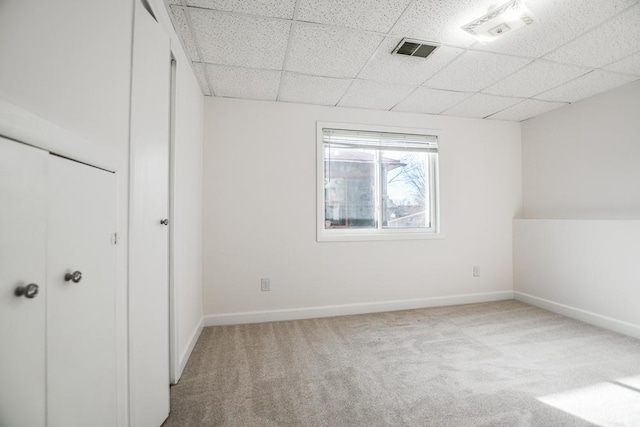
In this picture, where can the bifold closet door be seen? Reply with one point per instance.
(22, 267)
(81, 275)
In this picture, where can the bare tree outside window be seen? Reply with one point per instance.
(413, 175)
(405, 191)
(377, 182)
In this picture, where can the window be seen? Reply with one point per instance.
(376, 183)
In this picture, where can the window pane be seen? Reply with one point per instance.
(405, 190)
(349, 188)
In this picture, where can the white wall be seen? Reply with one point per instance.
(69, 62)
(581, 161)
(582, 268)
(260, 213)
(187, 213)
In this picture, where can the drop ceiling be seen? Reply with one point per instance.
(332, 52)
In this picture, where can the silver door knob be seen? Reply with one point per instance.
(164, 221)
(29, 291)
(75, 277)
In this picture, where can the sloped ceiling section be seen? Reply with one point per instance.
(333, 52)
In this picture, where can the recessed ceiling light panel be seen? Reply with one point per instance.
(500, 21)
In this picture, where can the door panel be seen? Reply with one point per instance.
(81, 323)
(22, 262)
(149, 203)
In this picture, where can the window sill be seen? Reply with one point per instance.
(367, 237)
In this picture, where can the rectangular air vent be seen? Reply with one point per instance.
(417, 48)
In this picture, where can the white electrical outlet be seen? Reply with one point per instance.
(476, 271)
(265, 284)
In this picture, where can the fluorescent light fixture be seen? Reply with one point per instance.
(499, 21)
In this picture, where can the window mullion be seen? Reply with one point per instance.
(378, 184)
(428, 186)
(350, 161)
(433, 183)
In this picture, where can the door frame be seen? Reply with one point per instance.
(174, 357)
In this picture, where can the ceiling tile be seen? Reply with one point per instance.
(473, 71)
(386, 67)
(586, 86)
(610, 42)
(440, 21)
(312, 89)
(245, 83)
(558, 22)
(481, 105)
(537, 77)
(198, 69)
(240, 40)
(430, 101)
(372, 15)
(274, 8)
(374, 95)
(526, 109)
(241, 48)
(630, 64)
(330, 51)
(184, 32)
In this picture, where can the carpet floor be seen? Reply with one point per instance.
(492, 364)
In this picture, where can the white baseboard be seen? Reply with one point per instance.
(346, 309)
(605, 322)
(184, 357)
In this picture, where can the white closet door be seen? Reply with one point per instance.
(81, 338)
(149, 239)
(22, 262)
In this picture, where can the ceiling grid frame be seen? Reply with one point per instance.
(373, 54)
(288, 51)
(193, 64)
(423, 84)
(620, 7)
(592, 29)
(196, 44)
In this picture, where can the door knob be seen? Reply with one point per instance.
(29, 291)
(164, 221)
(75, 277)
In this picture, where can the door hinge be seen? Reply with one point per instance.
(114, 239)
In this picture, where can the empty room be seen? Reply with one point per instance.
(319, 213)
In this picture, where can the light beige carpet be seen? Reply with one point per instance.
(492, 364)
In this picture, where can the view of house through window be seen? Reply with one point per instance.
(379, 180)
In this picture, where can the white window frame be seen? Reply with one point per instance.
(333, 235)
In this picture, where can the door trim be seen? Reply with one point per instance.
(174, 357)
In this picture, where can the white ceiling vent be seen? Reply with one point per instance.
(417, 48)
(500, 21)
